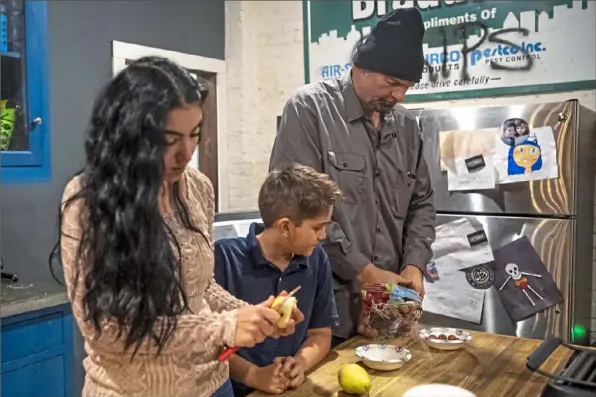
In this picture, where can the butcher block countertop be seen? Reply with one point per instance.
(489, 366)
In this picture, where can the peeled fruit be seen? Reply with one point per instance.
(354, 379)
(284, 307)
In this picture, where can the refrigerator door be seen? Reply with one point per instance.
(551, 238)
(545, 197)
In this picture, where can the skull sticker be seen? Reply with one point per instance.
(520, 281)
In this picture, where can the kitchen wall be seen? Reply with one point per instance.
(80, 39)
(264, 53)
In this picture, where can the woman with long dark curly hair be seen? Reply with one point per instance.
(136, 245)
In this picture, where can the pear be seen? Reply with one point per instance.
(284, 307)
(354, 379)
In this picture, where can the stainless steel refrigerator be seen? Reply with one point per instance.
(557, 215)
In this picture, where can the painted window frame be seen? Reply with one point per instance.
(33, 165)
(121, 52)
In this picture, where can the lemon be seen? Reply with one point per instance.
(354, 379)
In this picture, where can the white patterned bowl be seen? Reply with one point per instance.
(436, 390)
(383, 357)
(445, 338)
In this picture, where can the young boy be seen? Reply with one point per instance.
(296, 203)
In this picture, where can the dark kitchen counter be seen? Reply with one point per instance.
(23, 297)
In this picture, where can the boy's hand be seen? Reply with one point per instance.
(293, 371)
(271, 379)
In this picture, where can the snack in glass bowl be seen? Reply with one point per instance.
(388, 311)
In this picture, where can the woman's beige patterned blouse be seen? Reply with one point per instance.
(187, 366)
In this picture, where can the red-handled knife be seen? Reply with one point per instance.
(232, 350)
(227, 353)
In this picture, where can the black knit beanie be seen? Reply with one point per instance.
(394, 46)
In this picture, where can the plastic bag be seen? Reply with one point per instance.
(383, 315)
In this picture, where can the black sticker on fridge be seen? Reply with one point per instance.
(475, 163)
(523, 283)
(476, 238)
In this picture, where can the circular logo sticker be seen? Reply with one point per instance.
(481, 276)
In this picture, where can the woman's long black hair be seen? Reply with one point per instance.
(131, 273)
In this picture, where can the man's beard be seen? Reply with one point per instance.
(382, 106)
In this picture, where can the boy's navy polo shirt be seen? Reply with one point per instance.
(241, 269)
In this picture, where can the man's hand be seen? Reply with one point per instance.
(270, 379)
(293, 371)
(371, 274)
(416, 278)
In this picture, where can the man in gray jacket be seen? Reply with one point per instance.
(354, 129)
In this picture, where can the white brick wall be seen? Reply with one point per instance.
(265, 65)
(264, 54)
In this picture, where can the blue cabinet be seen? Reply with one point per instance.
(43, 378)
(24, 101)
(37, 354)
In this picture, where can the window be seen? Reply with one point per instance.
(24, 115)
